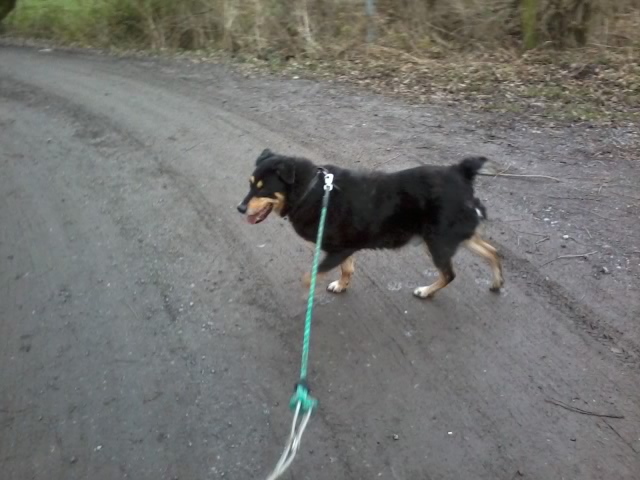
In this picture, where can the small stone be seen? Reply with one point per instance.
(616, 350)
(604, 270)
(396, 436)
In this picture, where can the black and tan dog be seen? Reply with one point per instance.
(375, 211)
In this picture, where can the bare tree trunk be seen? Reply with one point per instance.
(305, 25)
(529, 23)
(568, 22)
(370, 8)
(257, 26)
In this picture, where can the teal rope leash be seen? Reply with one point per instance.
(302, 401)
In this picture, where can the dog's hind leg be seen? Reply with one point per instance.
(347, 268)
(477, 245)
(441, 256)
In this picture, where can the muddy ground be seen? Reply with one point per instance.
(148, 332)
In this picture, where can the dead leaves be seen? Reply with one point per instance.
(598, 86)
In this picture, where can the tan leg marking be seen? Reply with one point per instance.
(347, 268)
(477, 245)
(428, 292)
(444, 279)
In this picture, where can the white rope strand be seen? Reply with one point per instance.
(291, 448)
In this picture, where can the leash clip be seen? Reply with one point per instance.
(328, 181)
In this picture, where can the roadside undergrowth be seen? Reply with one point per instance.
(600, 86)
(558, 60)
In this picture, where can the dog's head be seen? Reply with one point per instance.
(268, 186)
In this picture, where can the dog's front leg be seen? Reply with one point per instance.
(347, 268)
(331, 261)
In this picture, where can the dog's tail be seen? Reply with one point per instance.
(470, 166)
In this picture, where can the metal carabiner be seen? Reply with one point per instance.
(328, 181)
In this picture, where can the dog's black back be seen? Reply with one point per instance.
(386, 210)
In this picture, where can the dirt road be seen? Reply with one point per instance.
(148, 332)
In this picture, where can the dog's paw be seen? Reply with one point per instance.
(336, 287)
(496, 286)
(423, 292)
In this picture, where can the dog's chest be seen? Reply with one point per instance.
(306, 229)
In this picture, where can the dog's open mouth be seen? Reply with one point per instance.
(260, 215)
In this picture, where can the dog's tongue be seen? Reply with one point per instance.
(252, 219)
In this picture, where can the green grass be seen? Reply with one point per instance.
(86, 22)
(66, 20)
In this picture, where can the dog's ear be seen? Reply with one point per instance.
(286, 171)
(266, 153)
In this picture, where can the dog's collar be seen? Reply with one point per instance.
(312, 184)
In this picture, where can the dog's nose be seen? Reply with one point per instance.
(242, 208)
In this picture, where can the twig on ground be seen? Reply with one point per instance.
(503, 171)
(624, 440)
(543, 240)
(591, 212)
(581, 199)
(192, 147)
(601, 187)
(387, 161)
(579, 410)
(16, 411)
(132, 311)
(575, 240)
(517, 175)
(579, 255)
(588, 232)
(531, 233)
(624, 196)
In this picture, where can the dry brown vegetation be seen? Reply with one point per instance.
(294, 27)
(578, 58)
